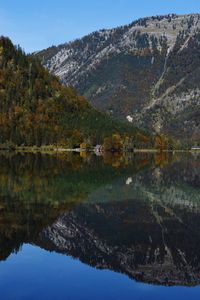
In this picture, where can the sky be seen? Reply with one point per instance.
(38, 24)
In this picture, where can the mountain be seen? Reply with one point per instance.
(147, 71)
(36, 109)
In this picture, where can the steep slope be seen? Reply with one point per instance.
(175, 105)
(35, 109)
(148, 70)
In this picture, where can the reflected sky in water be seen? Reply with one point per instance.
(45, 275)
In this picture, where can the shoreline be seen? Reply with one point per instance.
(49, 149)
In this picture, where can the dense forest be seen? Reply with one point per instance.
(36, 109)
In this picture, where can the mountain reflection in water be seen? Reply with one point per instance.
(136, 215)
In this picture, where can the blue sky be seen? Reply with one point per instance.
(38, 24)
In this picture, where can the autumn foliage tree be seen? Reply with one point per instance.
(113, 143)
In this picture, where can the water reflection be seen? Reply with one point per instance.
(138, 215)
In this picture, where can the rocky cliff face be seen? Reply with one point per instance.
(148, 70)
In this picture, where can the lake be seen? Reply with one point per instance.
(77, 226)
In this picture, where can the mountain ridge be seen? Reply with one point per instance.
(131, 70)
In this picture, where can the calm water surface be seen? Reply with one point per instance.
(113, 227)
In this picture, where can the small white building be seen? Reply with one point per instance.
(98, 150)
(130, 119)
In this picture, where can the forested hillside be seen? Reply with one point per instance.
(36, 109)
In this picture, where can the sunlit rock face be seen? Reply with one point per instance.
(147, 70)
